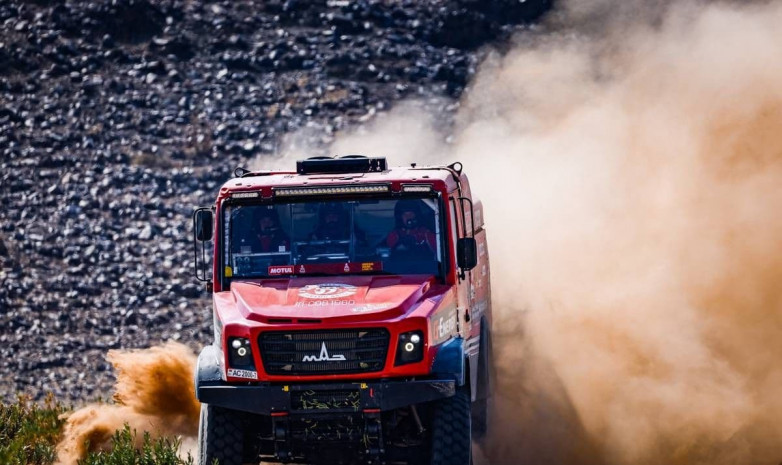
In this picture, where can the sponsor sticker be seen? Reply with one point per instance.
(444, 325)
(278, 270)
(245, 374)
(327, 291)
(323, 303)
(479, 308)
(371, 307)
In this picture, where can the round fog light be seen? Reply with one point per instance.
(241, 351)
(236, 343)
(415, 339)
(409, 347)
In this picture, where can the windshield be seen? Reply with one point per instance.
(397, 236)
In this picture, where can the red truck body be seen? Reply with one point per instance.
(298, 300)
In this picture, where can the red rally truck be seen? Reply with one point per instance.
(352, 316)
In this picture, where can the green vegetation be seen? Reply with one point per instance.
(160, 451)
(29, 433)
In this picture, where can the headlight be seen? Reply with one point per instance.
(409, 348)
(239, 353)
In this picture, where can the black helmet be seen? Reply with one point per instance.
(338, 229)
(403, 206)
(260, 213)
(331, 208)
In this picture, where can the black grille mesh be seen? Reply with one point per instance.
(302, 352)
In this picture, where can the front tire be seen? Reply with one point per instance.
(451, 431)
(220, 436)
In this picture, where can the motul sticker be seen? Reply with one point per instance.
(327, 291)
(278, 270)
(245, 374)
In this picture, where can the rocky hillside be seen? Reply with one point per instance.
(117, 117)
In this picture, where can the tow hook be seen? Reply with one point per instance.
(373, 437)
(281, 430)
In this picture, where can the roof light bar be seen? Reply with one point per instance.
(416, 188)
(332, 190)
(245, 195)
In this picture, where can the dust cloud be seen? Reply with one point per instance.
(153, 393)
(631, 174)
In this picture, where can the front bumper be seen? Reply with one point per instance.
(270, 399)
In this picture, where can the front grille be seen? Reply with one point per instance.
(324, 352)
(337, 399)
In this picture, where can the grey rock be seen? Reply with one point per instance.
(118, 117)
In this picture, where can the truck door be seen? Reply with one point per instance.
(461, 223)
(469, 328)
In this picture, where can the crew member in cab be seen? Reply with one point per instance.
(410, 236)
(268, 235)
(333, 223)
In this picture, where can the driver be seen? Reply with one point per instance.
(333, 223)
(268, 235)
(409, 233)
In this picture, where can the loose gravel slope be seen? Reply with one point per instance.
(116, 118)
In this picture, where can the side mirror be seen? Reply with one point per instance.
(203, 225)
(466, 253)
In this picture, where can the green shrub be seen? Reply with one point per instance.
(29, 432)
(161, 451)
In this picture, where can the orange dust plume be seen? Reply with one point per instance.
(153, 393)
(630, 165)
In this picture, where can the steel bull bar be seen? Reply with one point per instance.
(346, 397)
(268, 399)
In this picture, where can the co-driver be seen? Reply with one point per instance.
(409, 234)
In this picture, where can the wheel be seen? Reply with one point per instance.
(451, 431)
(220, 436)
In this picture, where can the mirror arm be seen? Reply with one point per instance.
(472, 216)
(462, 200)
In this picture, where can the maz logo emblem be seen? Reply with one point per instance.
(324, 356)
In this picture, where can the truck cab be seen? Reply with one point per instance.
(352, 315)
